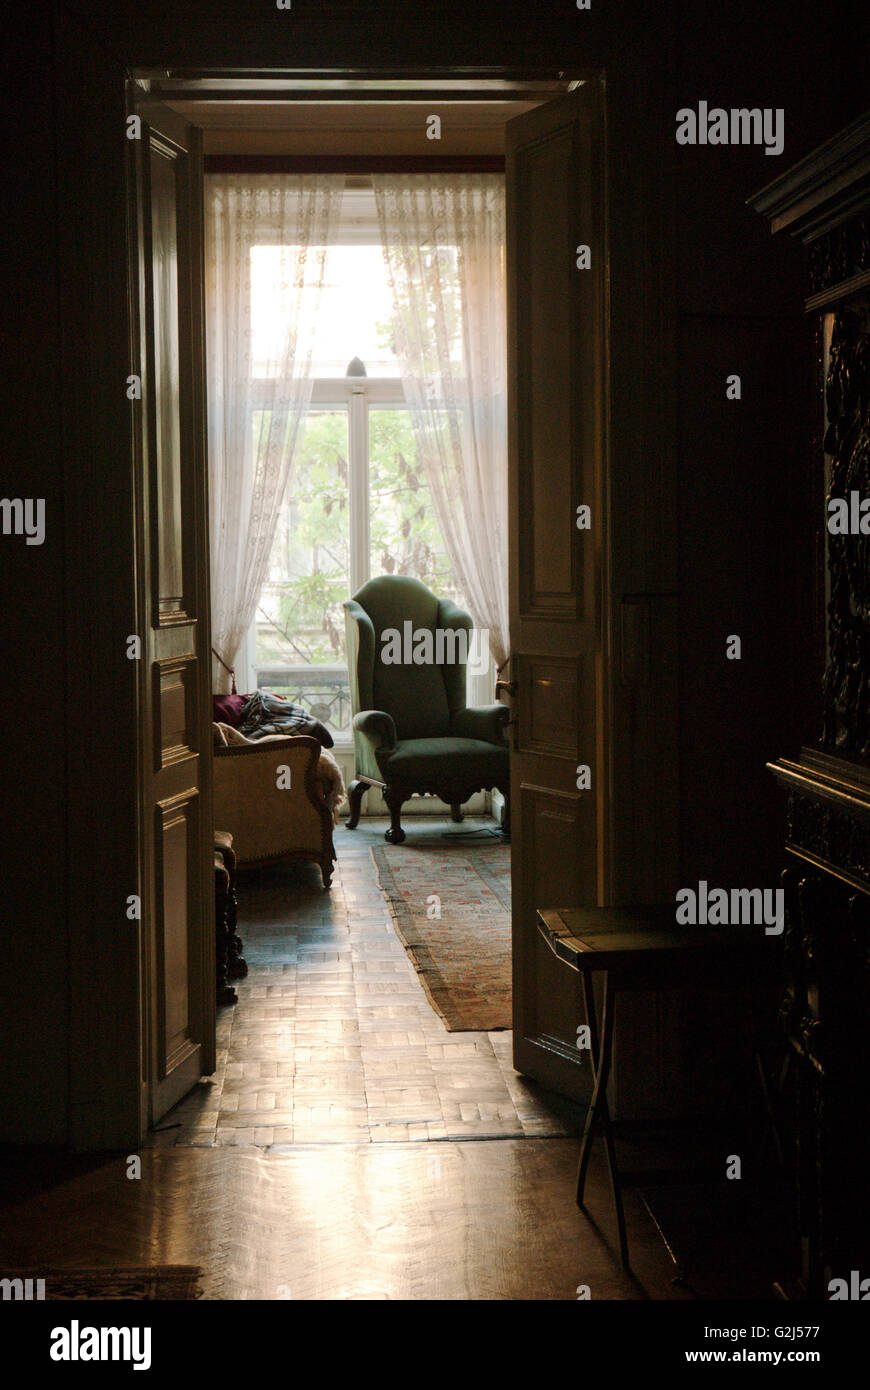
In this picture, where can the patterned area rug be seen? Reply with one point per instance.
(452, 909)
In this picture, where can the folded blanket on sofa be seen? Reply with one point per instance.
(266, 714)
(328, 771)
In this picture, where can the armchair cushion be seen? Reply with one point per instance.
(415, 761)
(419, 695)
(415, 694)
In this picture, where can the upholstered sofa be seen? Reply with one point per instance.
(273, 796)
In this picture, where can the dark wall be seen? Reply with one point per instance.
(748, 481)
(33, 1016)
(719, 295)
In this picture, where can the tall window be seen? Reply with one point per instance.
(359, 504)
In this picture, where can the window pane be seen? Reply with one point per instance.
(354, 313)
(300, 620)
(405, 535)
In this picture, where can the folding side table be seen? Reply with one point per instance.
(639, 948)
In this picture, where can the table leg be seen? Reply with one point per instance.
(606, 1055)
(599, 1113)
(591, 1114)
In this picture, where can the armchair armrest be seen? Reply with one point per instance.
(378, 726)
(486, 723)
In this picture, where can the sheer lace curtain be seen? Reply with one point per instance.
(444, 246)
(266, 244)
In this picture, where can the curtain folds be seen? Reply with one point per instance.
(266, 244)
(444, 246)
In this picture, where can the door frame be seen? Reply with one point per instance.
(109, 1119)
(136, 103)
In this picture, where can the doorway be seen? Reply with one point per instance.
(559, 680)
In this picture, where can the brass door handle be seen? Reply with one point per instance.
(509, 686)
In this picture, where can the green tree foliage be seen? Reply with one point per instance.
(405, 535)
(309, 569)
(313, 561)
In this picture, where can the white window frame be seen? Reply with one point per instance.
(358, 395)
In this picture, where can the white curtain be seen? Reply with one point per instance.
(444, 246)
(266, 243)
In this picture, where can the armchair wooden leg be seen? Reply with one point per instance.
(394, 799)
(326, 871)
(456, 813)
(355, 793)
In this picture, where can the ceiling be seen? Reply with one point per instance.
(349, 128)
(352, 113)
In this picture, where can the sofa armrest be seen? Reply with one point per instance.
(377, 726)
(486, 723)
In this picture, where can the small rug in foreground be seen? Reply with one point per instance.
(463, 957)
(157, 1282)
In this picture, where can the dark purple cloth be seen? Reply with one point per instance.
(228, 709)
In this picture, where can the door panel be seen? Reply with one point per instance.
(552, 997)
(166, 176)
(172, 935)
(557, 351)
(176, 819)
(549, 706)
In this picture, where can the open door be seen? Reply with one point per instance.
(557, 352)
(176, 832)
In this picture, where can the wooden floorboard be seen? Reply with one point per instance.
(348, 1147)
(333, 1038)
(468, 1220)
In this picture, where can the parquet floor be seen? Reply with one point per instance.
(333, 1040)
(492, 1220)
(329, 1156)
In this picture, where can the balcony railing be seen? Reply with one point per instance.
(323, 691)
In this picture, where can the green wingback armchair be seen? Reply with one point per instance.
(412, 731)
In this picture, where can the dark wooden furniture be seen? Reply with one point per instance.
(224, 992)
(638, 948)
(237, 966)
(825, 1009)
(230, 964)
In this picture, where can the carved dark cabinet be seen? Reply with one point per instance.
(825, 1008)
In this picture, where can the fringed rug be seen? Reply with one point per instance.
(107, 1282)
(452, 908)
